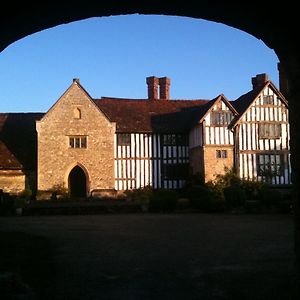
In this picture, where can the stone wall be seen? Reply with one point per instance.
(75, 114)
(12, 181)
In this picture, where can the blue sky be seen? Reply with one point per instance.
(112, 56)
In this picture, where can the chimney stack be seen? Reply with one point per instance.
(152, 83)
(158, 88)
(259, 80)
(283, 82)
(164, 88)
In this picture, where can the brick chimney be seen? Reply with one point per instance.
(164, 88)
(259, 80)
(283, 82)
(152, 83)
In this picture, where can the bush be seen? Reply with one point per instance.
(269, 197)
(252, 189)
(163, 200)
(235, 196)
(26, 194)
(6, 204)
(201, 197)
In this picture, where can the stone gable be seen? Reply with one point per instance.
(75, 115)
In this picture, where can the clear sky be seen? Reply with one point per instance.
(112, 56)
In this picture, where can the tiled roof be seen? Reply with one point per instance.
(7, 159)
(18, 142)
(243, 102)
(145, 115)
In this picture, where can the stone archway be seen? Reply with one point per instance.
(77, 183)
(274, 24)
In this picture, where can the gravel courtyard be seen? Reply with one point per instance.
(151, 256)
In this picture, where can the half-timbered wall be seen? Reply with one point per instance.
(196, 136)
(146, 159)
(263, 140)
(211, 143)
(216, 123)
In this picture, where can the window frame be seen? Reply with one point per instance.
(222, 153)
(78, 141)
(265, 130)
(124, 139)
(269, 165)
(174, 139)
(221, 118)
(176, 171)
(268, 100)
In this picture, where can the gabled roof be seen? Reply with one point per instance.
(144, 115)
(18, 142)
(208, 107)
(7, 159)
(242, 103)
(76, 82)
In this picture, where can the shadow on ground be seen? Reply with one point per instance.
(153, 256)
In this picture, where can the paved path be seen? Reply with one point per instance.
(157, 256)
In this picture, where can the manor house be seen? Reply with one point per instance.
(86, 145)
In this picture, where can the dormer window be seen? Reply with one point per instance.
(77, 113)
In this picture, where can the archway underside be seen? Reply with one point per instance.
(273, 23)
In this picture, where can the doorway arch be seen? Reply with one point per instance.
(77, 183)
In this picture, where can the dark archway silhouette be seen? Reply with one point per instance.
(274, 24)
(77, 183)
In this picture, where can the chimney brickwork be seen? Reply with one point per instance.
(259, 80)
(164, 88)
(152, 83)
(158, 88)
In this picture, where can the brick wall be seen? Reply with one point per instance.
(213, 165)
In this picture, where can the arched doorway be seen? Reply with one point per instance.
(77, 183)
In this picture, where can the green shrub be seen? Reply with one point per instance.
(200, 197)
(140, 196)
(26, 194)
(235, 196)
(269, 197)
(229, 178)
(163, 200)
(252, 189)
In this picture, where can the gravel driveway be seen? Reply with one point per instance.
(157, 256)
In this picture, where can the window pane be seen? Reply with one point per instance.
(83, 142)
(124, 139)
(71, 142)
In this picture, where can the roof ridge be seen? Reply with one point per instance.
(149, 100)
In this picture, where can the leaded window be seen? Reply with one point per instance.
(269, 165)
(78, 141)
(269, 131)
